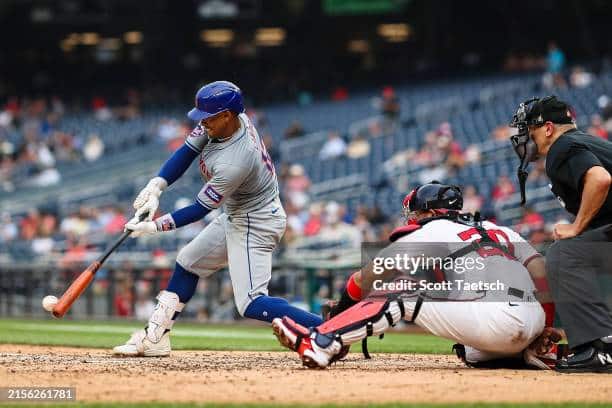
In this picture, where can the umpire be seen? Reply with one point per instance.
(579, 167)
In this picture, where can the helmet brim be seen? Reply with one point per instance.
(198, 115)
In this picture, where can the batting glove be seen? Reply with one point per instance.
(140, 228)
(148, 199)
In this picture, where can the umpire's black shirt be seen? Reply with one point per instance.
(568, 160)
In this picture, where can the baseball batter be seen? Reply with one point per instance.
(491, 311)
(239, 177)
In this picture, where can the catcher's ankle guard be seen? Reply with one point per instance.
(324, 340)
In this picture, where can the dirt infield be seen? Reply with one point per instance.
(213, 376)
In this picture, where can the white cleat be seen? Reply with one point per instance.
(154, 341)
(139, 345)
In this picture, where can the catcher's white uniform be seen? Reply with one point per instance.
(498, 323)
(500, 320)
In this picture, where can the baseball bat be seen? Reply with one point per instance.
(81, 283)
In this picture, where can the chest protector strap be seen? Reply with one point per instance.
(471, 220)
(485, 241)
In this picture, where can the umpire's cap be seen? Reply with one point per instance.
(537, 111)
(214, 98)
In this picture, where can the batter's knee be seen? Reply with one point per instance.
(184, 260)
(242, 305)
(244, 300)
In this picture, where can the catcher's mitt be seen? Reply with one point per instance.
(545, 341)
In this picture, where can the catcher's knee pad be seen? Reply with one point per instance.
(370, 317)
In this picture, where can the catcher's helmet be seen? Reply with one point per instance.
(215, 98)
(433, 196)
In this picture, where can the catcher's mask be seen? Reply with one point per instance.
(432, 196)
(534, 112)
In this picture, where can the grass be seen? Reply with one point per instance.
(189, 336)
(389, 405)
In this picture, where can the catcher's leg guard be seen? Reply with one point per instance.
(154, 340)
(370, 317)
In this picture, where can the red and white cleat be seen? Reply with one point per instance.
(289, 333)
(316, 350)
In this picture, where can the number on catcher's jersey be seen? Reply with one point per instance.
(495, 235)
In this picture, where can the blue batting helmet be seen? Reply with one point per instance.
(216, 97)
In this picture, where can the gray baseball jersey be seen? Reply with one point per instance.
(240, 177)
(239, 172)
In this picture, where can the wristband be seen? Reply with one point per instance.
(165, 223)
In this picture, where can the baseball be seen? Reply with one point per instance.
(49, 302)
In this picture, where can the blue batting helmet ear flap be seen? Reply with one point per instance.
(215, 98)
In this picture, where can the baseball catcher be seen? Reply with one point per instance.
(490, 310)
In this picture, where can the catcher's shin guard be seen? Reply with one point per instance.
(370, 317)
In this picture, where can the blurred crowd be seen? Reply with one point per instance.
(328, 221)
(47, 232)
(34, 145)
(31, 144)
(439, 157)
(33, 141)
(134, 291)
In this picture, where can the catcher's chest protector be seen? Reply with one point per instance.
(403, 230)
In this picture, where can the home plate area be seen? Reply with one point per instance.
(278, 377)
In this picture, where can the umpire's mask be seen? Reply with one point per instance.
(534, 112)
(523, 145)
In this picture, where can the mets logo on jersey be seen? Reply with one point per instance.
(213, 194)
(204, 170)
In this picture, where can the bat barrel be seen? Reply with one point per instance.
(84, 279)
(75, 290)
